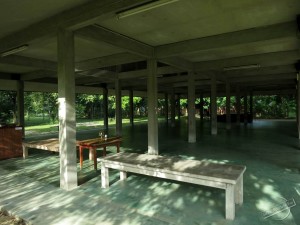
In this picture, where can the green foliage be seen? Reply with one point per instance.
(8, 106)
(91, 106)
(274, 106)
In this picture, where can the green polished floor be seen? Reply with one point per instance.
(270, 150)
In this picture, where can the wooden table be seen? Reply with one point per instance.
(93, 144)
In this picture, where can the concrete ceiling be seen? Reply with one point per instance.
(187, 35)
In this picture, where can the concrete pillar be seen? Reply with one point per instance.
(238, 105)
(178, 107)
(167, 107)
(201, 106)
(20, 105)
(245, 109)
(191, 108)
(67, 117)
(118, 107)
(105, 109)
(152, 107)
(228, 115)
(131, 109)
(173, 109)
(298, 104)
(213, 101)
(251, 104)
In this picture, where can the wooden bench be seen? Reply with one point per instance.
(51, 144)
(224, 176)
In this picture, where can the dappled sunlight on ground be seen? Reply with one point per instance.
(30, 188)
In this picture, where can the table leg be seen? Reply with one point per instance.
(80, 156)
(118, 147)
(230, 204)
(95, 157)
(25, 152)
(104, 176)
(104, 151)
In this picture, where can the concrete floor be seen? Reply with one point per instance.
(270, 150)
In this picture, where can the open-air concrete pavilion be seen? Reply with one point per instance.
(186, 48)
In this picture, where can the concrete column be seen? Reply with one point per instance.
(191, 108)
(178, 107)
(228, 116)
(167, 107)
(201, 106)
(20, 104)
(172, 109)
(213, 100)
(105, 109)
(238, 105)
(245, 108)
(251, 104)
(152, 107)
(118, 107)
(298, 104)
(131, 109)
(67, 117)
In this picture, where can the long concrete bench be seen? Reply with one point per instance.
(224, 176)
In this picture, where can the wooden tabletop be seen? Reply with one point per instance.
(99, 141)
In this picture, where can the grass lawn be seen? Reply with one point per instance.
(37, 125)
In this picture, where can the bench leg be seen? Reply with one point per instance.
(123, 175)
(239, 191)
(230, 204)
(104, 176)
(25, 152)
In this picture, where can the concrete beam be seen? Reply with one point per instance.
(179, 63)
(264, 60)
(111, 60)
(259, 78)
(38, 75)
(260, 34)
(74, 18)
(29, 62)
(97, 33)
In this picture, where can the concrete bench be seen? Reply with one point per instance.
(224, 176)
